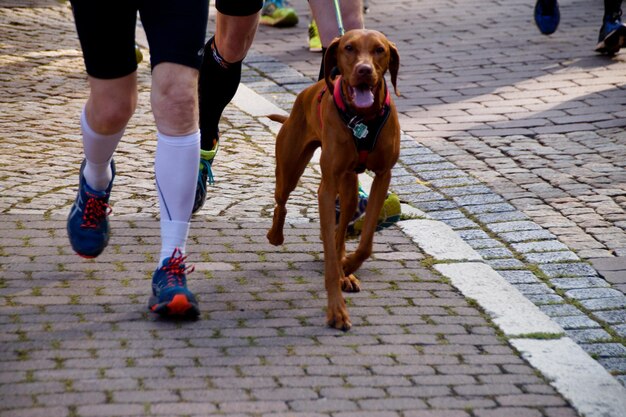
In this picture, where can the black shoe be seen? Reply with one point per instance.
(612, 35)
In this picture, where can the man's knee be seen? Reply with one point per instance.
(111, 117)
(111, 103)
(175, 98)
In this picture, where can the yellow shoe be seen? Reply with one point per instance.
(276, 13)
(315, 43)
(389, 214)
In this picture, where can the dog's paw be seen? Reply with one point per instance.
(275, 237)
(338, 318)
(350, 283)
(352, 263)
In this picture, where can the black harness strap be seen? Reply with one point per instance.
(364, 131)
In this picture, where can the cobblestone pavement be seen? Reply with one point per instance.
(76, 339)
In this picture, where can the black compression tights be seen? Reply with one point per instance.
(218, 84)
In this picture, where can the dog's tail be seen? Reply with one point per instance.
(277, 118)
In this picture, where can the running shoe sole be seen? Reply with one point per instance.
(178, 306)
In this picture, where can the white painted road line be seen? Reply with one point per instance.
(582, 380)
(438, 240)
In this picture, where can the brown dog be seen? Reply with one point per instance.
(355, 122)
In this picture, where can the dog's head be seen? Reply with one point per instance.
(362, 57)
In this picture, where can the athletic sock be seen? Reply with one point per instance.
(218, 84)
(173, 235)
(98, 150)
(176, 171)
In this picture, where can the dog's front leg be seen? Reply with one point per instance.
(375, 203)
(337, 313)
(348, 200)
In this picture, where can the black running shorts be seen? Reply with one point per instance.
(176, 31)
(238, 7)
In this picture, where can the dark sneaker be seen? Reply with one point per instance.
(547, 16)
(612, 35)
(389, 214)
(88, 223)
(205, 174)
(170, 295)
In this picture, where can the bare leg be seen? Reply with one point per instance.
(326, 19)
(234, 35)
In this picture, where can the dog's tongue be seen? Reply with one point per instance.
(363, 97)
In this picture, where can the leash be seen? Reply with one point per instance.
(339, 20)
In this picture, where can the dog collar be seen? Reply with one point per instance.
(364, 131)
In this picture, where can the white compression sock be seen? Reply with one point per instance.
(173, 235)
(176, 170)
(98, 151)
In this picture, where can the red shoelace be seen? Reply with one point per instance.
(96, 210)
(176, 269)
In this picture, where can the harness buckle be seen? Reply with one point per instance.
(359, 130)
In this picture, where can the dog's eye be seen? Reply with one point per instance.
(379, 50)
(349, 48)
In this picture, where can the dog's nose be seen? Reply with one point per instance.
(364, 70)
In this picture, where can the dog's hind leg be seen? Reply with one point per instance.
(289, 168)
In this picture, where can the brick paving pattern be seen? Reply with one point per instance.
(77, 339)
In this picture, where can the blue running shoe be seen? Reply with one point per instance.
(205, 173)
(612, 34)
(170, 295)
(547, 16)
(88, 223)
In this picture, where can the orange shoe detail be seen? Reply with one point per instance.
(179, 305)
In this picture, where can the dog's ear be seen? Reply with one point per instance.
(394, 66)
(330, 62)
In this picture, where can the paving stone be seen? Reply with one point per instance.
(501, 217)
(495, 253)
(477, 199)
(460, 223)
(489, 208)
(571, 283)
(560, 310)
(542, 299)
(519, 277)
(612, 316)
(605, 349)
(587, 293)
(616, 365)
(563, 270)
(575, 322)
(505, 264)
(551, 257)
(512, 226)
(598, 304)
(524, 236)
(589, 335)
